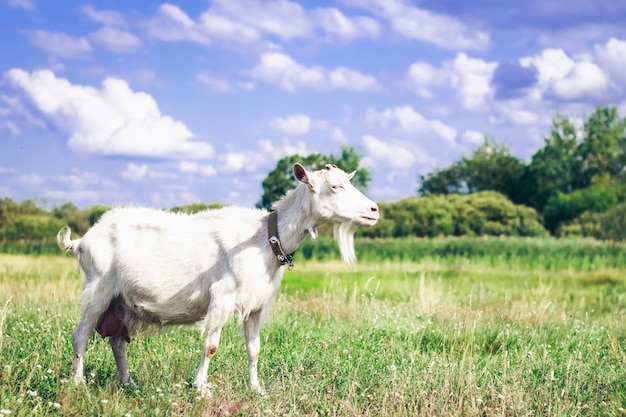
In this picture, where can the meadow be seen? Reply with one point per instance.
(442, 327)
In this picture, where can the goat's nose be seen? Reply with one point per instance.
(374, 208)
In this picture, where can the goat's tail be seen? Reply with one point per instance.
(63, 239)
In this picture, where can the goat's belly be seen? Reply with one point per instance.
(170, 313)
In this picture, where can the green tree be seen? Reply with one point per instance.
(554, 168)
(603, 148)
(8, 211)
(281, 179)
(66, 211)
(601, 196)
(489, 167)
(444, 181)
(96, 211)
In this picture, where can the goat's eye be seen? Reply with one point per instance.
(337, 187)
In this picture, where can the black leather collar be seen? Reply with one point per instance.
(277, 248)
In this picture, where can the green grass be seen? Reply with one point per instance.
(477, 335)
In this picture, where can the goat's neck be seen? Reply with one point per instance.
(293, 228)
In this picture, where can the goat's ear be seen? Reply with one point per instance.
(301, 174)
(351, 175)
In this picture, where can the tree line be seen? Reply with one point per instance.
(576, 181)
(574, 185)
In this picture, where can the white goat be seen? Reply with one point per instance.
(146, 267)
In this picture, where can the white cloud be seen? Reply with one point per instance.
(406, 120)
(28, 179)
(611, 56)
(193, 167)
(78, 179)
(422, 77)
(282, 70)
(4, 170)
(564, 78)
(17, 108)
(279, 69)
(60, 44)
(218, 84)
(337, 135)
(473, 137)
(586, 80)
(225, 28)
(173, 24)
(22, 4)
(248, 21)
(74, 195)
(281, 18)
(348, 79)
(415, 23)
(286, 148)
(134, 172)
(301, 124)
(473, 82)
(294, 124)
(337, 24)
(232, 162)
(469, 77)
(396, 154)
(7, 127)
(116, 40)
(106, 17)
(113, 120)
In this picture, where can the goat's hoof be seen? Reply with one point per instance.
(130, 384)
(256, 388)
(204, 389)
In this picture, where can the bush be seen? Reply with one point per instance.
(564, 208)
(486, 213)
(610, 225)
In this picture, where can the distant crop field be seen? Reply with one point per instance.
(539, 331)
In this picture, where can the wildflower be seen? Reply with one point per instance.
(5, 412)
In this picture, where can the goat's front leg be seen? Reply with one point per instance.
(251, 328)
(215, 320)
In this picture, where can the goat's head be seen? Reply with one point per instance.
(333, 198)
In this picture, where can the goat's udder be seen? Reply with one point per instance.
(110, 324)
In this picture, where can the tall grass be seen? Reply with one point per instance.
(545, 253)
(445, 336)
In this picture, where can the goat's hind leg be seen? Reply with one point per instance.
(80, 337)
(93, 304)
(118, 345)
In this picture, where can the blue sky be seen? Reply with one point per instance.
(161, 104)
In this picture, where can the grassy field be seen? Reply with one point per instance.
(472, 334)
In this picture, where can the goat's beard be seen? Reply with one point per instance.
(344, 235)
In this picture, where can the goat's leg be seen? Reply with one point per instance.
(91, 311)
(118, 345)
(215, 320)
(251, 328)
